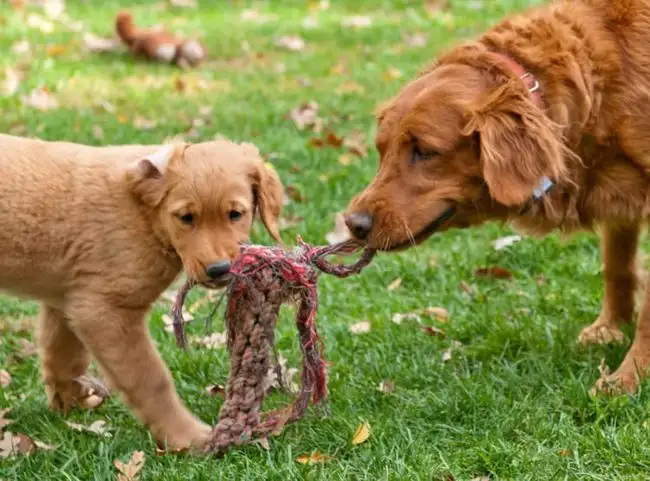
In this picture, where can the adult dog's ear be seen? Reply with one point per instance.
(519, 145)
(269, 194)
(145, 175)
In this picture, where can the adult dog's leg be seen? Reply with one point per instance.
(619, 248)
(118, 338)
(637, 361)
(64, 361)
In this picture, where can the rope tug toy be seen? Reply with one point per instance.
(261, 280)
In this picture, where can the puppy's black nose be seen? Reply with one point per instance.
(360, 224)
(217, 269)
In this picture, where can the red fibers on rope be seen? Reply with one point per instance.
(261, 280)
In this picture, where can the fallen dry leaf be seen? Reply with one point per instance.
(11, 82)
(482, 478)
(356, 21)
(360, 327)
(5, 378)
(4, 421)
(392, 73)
(281, 377)
(130, 471)
(314, 458)
(21, 47)
(97, 427)
(565, 452)
(38, 22)
(355, 142)
(433, 331)
(448, 353)
(466, 288)
(495, 272)
(439, 313)
(98, 132)
(507, 241)
(435, 7)
(264, 443)
(361, 434)
(304, 115)
(169, 322)
(216, 340)
(294, 43)
(386, 386)
(394, 284)
(97, 44)
(399, 317)
(416, 40)
(16, 443)
(341, 233)
(295, 194)
(184, 3)
(41, 99)
(27, 348)
(55, 50)
(141, 123)
(215, 390)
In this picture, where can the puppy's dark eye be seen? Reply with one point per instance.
(235, 215)
(187, 219)
(419, 155)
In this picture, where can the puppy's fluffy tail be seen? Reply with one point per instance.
(125, 28)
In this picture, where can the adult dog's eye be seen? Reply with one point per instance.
(187, 219)
(235, 215)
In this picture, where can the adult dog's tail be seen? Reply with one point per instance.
(125, 27)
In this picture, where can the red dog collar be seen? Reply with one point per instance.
(531, 82)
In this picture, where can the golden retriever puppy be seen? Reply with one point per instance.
(96, 234)
(543, 122)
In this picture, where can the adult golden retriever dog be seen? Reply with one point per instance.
(544, 122)
(96, 234)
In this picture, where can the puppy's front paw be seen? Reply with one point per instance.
(92, 392)
(193, 438)
(84, 392)
(601, 332)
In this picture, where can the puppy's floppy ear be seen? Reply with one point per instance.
(268, 192)
(145, 174)
(519, 145)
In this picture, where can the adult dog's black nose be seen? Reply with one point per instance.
(217, 269)
(360, 224)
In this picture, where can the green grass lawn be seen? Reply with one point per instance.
(512, 401)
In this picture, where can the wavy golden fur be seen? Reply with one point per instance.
(466, 134)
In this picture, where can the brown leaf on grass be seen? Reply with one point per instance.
(98, 132)
(289, 222)
(506, 241)
(97, 427)
(314, 458)
(494, 272)
(392, 73)
(280, 376)
(141, 123)
(338, 69)
(350, 87)
(4, 421)
(130, 471)
(435, 7)
(330, 139)
(447, 354)
(21, 47)
(355, 142)
(184, 3)
(294, 194)
(386, 386)
(264, 443)
(439, 313)
(96, 44)
(11, 82)
(27, 348)
(362, 327)
(466, 288)
(565, 452)
(55, 50)
(394, 285)
(294, 43)
(16, 443)
(41, 99)
(305, 115)
(417, 39)
(5, 378)
(433, 331)
(215, 390)
(169, 322)
(482, 478)
(252, 15)
(361, 434)
(216, 340)
(341, 233)
(356, 21)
